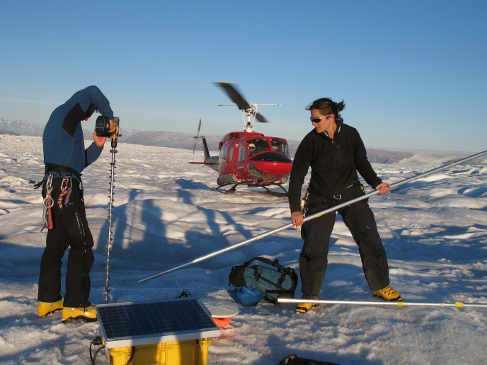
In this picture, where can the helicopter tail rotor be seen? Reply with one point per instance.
(197, 137)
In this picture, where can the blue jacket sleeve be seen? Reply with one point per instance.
(92, 153)
(99, 101)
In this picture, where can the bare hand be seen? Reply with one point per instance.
(297, 219)
(114, 128)
(99, 141)
(383, 188)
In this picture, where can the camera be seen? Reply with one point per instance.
(102, 126)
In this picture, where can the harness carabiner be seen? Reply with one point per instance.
(337, 196)
(47, 205)
(66, 185)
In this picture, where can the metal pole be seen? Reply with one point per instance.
(397, 304)
(316, 215)
(110, 204)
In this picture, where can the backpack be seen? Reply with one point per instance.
(269, 277)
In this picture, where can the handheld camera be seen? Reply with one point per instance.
(102, 126)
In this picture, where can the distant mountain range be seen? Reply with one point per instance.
(186, 140)
(176, 139)
(20, 127)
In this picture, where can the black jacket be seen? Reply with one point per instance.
(334, 164)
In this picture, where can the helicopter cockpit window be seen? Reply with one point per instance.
(279, 145)
(257, 145)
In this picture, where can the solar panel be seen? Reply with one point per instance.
(131, 324)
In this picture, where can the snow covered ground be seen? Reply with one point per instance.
(166, 213)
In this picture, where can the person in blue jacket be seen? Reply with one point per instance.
(65, 157)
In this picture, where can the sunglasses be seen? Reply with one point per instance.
(317, 120)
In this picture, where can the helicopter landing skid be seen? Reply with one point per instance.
(233, 189)
(230, 190)
(276, 193)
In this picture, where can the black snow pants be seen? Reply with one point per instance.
(70, 230)
(316, 233)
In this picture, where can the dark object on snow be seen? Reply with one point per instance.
(294, 360)
(268, 276)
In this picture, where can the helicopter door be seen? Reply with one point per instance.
(229, 155)
(241, 160)
(223, 159)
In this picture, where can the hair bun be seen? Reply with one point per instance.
(340, 106)
(327, 106)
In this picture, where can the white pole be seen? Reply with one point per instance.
(397, 304)
(316, 215)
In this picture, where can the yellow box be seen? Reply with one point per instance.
(191, 352)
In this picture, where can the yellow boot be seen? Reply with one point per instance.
(388, 293)
(44, 308)
(86, 313)
(306, 306)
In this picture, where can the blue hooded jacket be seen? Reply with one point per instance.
(63, 141)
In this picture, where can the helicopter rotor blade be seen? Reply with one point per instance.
(234, 95)
(260, 118)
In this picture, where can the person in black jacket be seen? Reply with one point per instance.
(335, 152)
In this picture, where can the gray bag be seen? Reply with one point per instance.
(268, 276)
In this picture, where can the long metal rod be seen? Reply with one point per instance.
(397, 304)
(316, 215)
(110, 236)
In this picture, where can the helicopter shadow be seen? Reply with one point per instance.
(193, 185)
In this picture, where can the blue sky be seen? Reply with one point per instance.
(412, 74)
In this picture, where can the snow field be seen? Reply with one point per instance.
(166, 212)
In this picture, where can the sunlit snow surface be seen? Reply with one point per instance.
(167, 212)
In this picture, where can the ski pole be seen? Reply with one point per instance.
(308, 218)
(397, 304)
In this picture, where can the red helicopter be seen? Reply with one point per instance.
(248, 157)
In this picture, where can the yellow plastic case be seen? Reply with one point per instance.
(192, 352)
